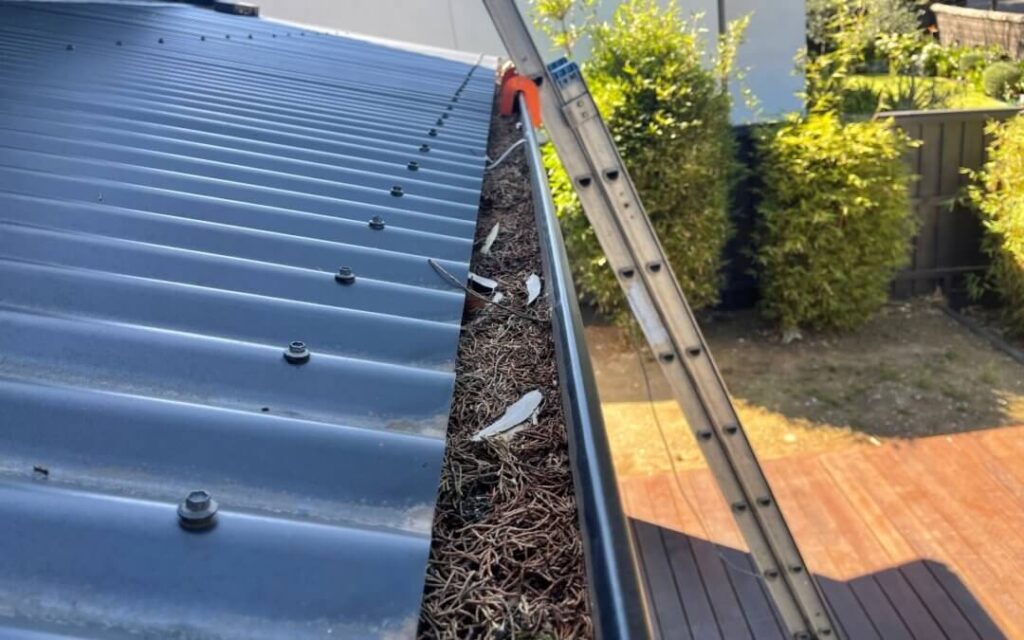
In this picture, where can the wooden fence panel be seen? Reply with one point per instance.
(948, 242)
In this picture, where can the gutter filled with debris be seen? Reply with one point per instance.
(527, 461)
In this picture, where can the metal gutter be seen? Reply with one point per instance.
(619, 609)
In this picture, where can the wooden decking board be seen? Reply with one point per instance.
(701, 494)
(916, 540)
(980, 620)
(935, 531)
(976, 528)
(694, 594)
(669, 615)
(939, 603)
(884, 617)
(863, 549)
(721, 595)
(805, 526)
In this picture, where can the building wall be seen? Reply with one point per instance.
(775, 35)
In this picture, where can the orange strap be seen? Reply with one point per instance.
(511, 84)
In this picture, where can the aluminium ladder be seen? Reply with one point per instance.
(614, 210)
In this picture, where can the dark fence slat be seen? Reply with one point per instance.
(948, 244)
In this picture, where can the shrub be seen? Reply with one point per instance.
(835, 221)
(880, 18)
(998, 193)
(999, 78)
(669, 116)
(913, 93)
(859, 98)
(956, 61)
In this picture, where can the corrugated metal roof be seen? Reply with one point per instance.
(178, 188)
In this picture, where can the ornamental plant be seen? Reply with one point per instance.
(998, 194)
(669, 115)
(835, 223)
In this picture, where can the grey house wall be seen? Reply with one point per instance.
(776, 33)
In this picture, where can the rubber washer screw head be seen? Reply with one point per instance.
(397, 191)
(297, 353)
(198, 511)
(345, 275)
(377, 223)
(424, 148)
(414, 166)
(432, 133)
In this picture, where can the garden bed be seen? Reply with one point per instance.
(507, 559)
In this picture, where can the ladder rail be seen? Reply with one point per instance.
(613, 207)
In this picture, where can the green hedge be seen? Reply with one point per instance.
(835, 221)
(1000, 78)
(669, 116)
(998, 193)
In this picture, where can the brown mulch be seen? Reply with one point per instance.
(507, 559)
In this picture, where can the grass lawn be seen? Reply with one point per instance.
(959, 95)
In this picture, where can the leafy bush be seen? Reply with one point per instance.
(956, 61)
(998, 193)
(669, 116)
(860, 98)
(999, 78)
(913, 93)
(835, 221)
(880, 18)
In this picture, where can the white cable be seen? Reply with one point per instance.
(493, 163)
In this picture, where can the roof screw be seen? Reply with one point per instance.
(704, 434)
(160, 41)
(694, 350)
(296, 353)
(345, 275)
(455, 98)
(771, 574)
(397, 191)
(119, 43)
(413, 166)
(731, 429)
(377, 223)
(250, 36)
(198, 511)
(739, 507)
(424, 148)
(444, 116)
(432, 133)
(227, 36)
(449, 108)
(764, 501)
(70, 47)
(202, 38)
(440, 122)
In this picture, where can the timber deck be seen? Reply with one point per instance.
(920, 539)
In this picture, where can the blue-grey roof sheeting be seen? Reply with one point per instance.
(178, 188)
